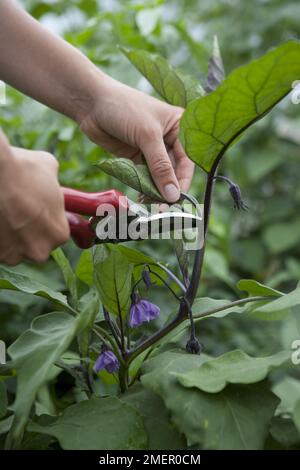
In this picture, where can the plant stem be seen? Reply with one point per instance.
(123, 378)
(112, 327)
(236, 303)
(172, 276)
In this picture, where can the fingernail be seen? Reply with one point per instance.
(172, 193)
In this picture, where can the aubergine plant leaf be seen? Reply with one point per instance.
(234, 367)
(34, 353)
(235, 418)
(97, 424)
(162, 434)
(174, 86)
(113, 279)
(212, 123)
(136, 176)
(12, 280)
(216, 72)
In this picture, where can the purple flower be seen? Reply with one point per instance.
(108, 361)
(142, 311)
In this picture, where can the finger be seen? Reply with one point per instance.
(184, 167)
(161, 168)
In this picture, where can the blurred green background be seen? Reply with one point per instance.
(263, 243)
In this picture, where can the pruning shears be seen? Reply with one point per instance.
(127, 221)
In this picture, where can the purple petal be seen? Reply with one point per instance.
(108, 361)
(142, 311)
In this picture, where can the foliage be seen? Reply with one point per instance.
(242, 392)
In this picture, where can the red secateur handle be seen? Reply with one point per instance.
(80, 202)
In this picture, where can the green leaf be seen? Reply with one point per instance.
(18, 282)
(97, 424)
(162, 434)
(297, 415)
(286, 301)
(234, 367)
(253, 287)
(236, 418)
(85, 268)
(172, 85)
(216, 73)
(212, 123)
(68, 274)
(136, 176)
(33, 354)
(113, 279)
(3, 400)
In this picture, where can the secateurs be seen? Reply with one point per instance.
(114, 218)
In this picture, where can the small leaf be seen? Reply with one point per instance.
(172, 85)
(136, 176)
(113, 279)
(18, 282)
(216, 72)
(234, 367)
(212, 123)
(3, 400)
(253, 287)
(97, 424)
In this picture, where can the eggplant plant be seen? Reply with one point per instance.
(141, 379)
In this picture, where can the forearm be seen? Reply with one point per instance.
(44, 66)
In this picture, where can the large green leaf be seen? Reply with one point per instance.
(3, 400)
(33, 355)
(113, 279)
(234, 367)
(212, 123)
(162, 434)
(97, 424)
(136, 176)
(11, 280)
(172, 85)
(236, 418)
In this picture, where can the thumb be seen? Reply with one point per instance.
(161, 169)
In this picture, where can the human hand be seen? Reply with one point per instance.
(32, 215)
(130, 123)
